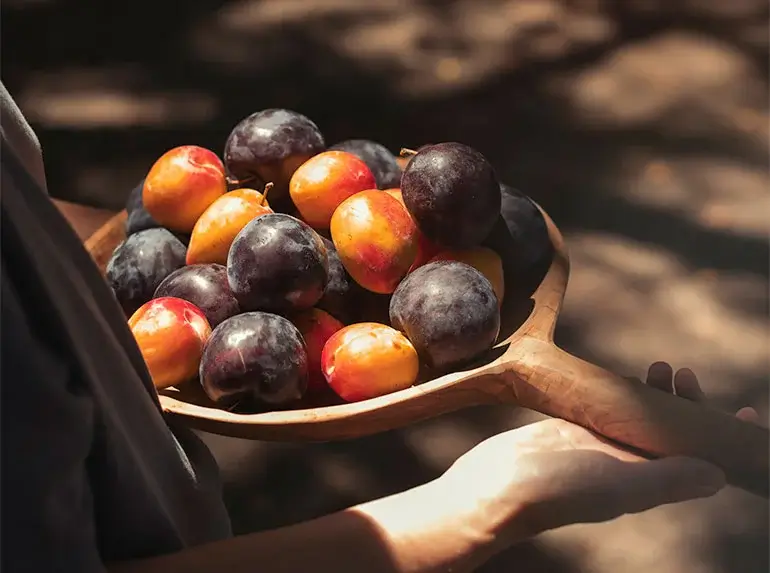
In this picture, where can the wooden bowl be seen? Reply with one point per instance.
(526, 368)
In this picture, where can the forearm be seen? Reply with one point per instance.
(418, 531)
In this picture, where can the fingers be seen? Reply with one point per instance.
(591, 486)
(642, 486)
(684, 383)
(687, 386)
(660, 376)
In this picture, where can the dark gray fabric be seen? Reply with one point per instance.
(91, 470)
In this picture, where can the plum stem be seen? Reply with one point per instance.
(267, 188)
(406, 152)
(240, 182)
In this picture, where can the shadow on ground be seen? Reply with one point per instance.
(640, 127)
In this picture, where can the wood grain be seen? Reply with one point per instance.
(527, 369)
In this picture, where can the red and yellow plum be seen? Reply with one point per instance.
(368, 359)
(316, 327)
(171, 334)
(381, 162)
(181, 185)
(376, 239)
(323, 182)
(426, 249)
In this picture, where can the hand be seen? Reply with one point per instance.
(554, 473)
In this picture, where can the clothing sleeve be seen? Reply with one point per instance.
(47, 429)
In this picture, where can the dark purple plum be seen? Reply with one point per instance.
(267, 147)
(138, 218)
(279, 264)
(342, 293)
(449, 311)
(253, 360)
(380, 161)
(140, 263)
(453, 194)
(521, 238)
(204, 285)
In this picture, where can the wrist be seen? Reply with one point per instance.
(432, 528)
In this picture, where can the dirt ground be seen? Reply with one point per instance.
(641, 126)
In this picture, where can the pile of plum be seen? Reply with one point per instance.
(289, 274)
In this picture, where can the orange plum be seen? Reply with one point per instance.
(218, 226)
(368, 359)
(181, 185)
(171, 334)
(426, 249)
(375, 238)
(316, 327)
(484, 260)
(324, 181)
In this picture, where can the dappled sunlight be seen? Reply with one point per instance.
(636, 304)
(425, 49)
(640, 126)
(679, 82)
(117, 98)
(717, 193)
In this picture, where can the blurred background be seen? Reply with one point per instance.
(640, 125)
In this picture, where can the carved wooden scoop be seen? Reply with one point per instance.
(526, 369)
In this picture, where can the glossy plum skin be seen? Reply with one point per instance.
(381, 162)
(323, 182)
(484, 260)
(140, 263)
(267, 147)
(342, 293)
(453, 194)
(521, 238)
(205, 286)
(316, 327)
(449, 311)
(277, 264)
(138, 218)
(368, 359)
(254, 359)
(181, 185)
(171, 334)
(218, 226)
(376, 239)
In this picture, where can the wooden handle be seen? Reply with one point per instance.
(653, 422)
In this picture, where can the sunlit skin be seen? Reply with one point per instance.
(181, 185)
(375, 238)
(426, 249)
(484, 260)
(316, 327)
(171, 334)
(320, 184)
(368, 359)
(218, 226)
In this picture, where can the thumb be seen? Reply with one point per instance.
(644, 485)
